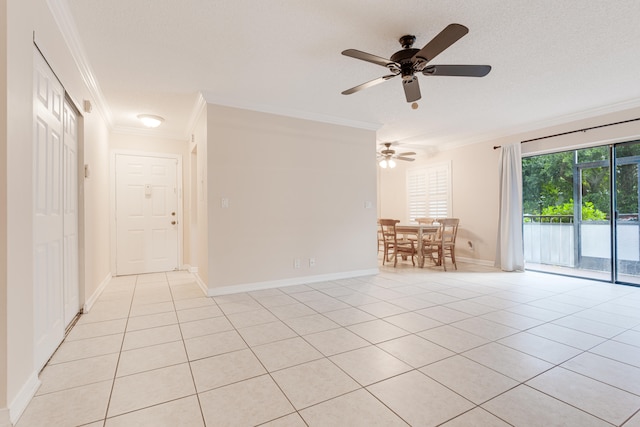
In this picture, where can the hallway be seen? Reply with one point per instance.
(408, 346)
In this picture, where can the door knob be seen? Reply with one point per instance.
(173, 223)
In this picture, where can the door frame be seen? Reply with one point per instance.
(112, 200)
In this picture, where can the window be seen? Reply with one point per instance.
(429, 192)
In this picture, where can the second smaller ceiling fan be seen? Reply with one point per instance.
(388, 156)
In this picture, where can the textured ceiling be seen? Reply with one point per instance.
(552, 61)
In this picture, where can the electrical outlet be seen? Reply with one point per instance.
(296, 263)
(312, 262)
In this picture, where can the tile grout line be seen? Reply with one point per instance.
(195, 388)
(250, 348)
(115, 372)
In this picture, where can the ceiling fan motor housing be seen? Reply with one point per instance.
(387, 150)
(405, 56)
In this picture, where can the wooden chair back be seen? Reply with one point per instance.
(427, 221)
(449, 230)
(388, 230)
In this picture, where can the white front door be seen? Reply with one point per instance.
(48, 220)
(146, 214)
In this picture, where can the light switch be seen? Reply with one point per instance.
(368, 204)
(224, 203)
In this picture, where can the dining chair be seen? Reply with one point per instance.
(427, 221)
(427, 237)
(445, 242)
(393, 245)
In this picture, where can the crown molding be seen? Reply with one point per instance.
(198, 107)
(66, 24)
(288, 112)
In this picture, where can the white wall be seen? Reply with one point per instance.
(96, 204)
(198, 258)
(4, 415)
(148, 144)
(20, 24)
(296, 189)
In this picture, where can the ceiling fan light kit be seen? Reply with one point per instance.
(384, 163)
(408, 61)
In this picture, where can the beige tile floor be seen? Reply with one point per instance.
(473, 347)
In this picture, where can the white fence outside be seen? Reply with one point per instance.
(554, 244)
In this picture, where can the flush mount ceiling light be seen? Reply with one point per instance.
(150, 121)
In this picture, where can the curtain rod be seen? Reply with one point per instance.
(495, 147)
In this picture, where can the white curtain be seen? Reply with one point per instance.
(510, 250)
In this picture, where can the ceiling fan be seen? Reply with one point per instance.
(409, 61)
(387, 156)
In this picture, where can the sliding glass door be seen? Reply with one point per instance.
(578, 219)
(627, 232)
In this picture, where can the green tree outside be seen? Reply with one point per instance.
(548, 182)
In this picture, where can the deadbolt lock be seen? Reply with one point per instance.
(173, 214)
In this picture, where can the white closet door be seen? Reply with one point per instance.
(70, 181)
(146, 214)
(48, 218)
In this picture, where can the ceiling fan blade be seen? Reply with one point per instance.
(368, 84)
(411, 89)
(451, 34)
(357, 54)
(457, 70)
(407, 153)
(406, 159)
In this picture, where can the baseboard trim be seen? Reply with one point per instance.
(484, 262)
(26, 393)
(258, 286)
(200, 282)
(93, 298)
(189, 268)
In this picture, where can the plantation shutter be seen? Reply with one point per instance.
(429, 192)
(438, 195)
(417, 193)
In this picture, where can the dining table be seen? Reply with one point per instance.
(419, 231)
